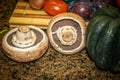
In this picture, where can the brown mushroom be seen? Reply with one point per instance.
(66, 33)
(26, 43)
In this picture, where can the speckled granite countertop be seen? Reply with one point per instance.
(52, 65)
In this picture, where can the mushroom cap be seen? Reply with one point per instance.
(66, 33)
(29, 53)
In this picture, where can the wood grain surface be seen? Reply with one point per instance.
(23, 14)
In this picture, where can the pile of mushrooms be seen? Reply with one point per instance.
(27, 43)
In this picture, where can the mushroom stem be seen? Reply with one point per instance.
(24, 37)
(67, 35)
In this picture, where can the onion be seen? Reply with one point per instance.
(37, 4)
(82, 9)
(101, 3)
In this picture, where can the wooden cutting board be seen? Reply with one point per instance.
(23, 14)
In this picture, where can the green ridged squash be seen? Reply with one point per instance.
(103, 39)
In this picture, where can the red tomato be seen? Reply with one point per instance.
(118, 3)
(54, 7)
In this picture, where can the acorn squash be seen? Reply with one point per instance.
(103, 39)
